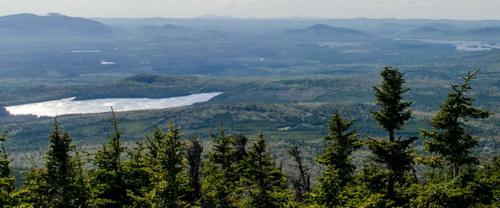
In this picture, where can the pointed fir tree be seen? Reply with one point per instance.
(393, 113)
(265, 185)
(336, 158)
(239, 155)
(108, 184)
(450, 137)
(6, 180)
(58, 167)
(168, 179)
(194, 151)
(218, 184)
(63, 188)
(138, 176)
(153, 145)
(80, 181)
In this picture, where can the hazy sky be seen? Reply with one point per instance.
(450, 9)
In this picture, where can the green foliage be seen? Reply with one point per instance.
(471, 188)
(164, 171)
(394, 153)
(108, 182)
(6, 180)
(61, 183)
(218, 184)
(449, 137)
(138, 175)
(169, 180)
(263, 184)
(393, 111)
(64, 188)
(33, 193)
(367, 187)
(339, 145)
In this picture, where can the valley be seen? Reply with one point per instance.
(284, 77)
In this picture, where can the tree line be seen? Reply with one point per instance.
(164, 170)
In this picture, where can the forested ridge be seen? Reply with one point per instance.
(168, 169)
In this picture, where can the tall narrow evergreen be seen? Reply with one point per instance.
(264, 183)
(58, 168)
(302, 181)
(153, 145)
(109, 188)
(194, 151)
(338, 148)
(138, 175)
(80, 181)
(6, 180)
(63, 189)
(450, 138)
(218, 183)
(168, 181)
(239, 155)
(393, 113)
(222, 153)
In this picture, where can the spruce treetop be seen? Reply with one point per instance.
(450, 138)
(393, 111)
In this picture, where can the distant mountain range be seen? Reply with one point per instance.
(430, 32)
(323, 31)
(54, 25)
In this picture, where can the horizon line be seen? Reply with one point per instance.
(227, 17)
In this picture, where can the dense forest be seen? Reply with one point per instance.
(166, 169)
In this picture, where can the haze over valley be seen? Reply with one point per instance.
(298, 64)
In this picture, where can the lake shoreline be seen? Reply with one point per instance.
(71, 106)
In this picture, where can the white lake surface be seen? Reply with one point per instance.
(470, 46)
(71, 106)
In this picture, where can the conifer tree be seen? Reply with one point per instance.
(450, 138)
(80, 181)
(168, 179)
(218, 184)
(393, 113)
(264, 183)
(239, 155)
(63, 189)
(339, 146)
(153, 145)
(138, 176)
(33, 193)
(223, 149)
(108, 184)
(6, 180)
(194, 150)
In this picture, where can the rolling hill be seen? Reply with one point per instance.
(52, 26)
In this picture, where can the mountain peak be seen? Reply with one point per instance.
(320, 27)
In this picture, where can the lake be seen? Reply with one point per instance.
(70, 106)
(471, 46)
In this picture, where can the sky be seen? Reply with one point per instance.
(403, 9)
